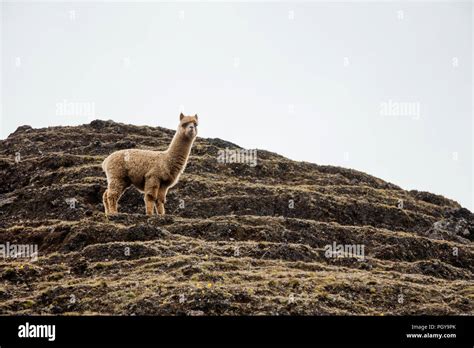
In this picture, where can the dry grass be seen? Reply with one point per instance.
(236, 247)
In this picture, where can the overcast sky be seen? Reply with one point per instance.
(385, 88)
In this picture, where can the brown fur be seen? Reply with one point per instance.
(151, 172)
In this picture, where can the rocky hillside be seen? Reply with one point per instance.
(237, 239)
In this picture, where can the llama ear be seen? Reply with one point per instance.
(196, 116)
(181, 116)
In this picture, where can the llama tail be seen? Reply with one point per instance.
(104, 164)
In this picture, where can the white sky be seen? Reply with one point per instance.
(306, 80)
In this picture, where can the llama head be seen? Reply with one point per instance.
(188, 125)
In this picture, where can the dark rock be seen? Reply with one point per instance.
(236, 240)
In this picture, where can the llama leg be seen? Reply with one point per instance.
(106, 202)
(149, 204)
(114, 191)
(161, 200)
(151, 194)
(160, 208)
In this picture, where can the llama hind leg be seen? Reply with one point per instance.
(114, 191)
(106, 202)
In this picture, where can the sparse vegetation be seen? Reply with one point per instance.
(232, 243)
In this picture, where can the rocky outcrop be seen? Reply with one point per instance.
(281, 237)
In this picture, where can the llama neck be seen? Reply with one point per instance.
(178, 153)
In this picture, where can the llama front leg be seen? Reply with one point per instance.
(149, 204)
(151, 195)
(160, 202)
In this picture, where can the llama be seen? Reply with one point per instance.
(151, 172)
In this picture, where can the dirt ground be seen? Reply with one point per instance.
(237, 239)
